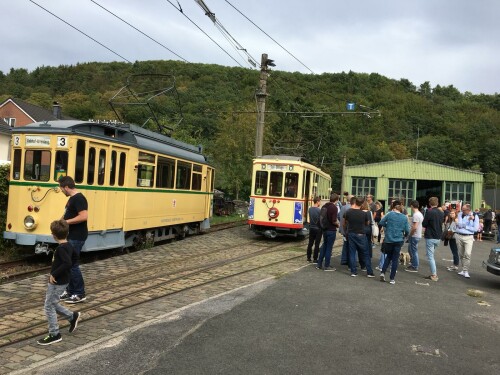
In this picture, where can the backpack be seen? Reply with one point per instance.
(324, 222)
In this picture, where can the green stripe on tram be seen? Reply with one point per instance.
(109, 188)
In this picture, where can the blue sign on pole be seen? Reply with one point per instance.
(351, 106)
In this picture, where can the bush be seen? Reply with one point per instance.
(4, 192)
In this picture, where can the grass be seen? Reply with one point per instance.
(214, 220)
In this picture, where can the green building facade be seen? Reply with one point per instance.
(411, 179)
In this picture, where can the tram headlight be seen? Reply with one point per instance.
(30, 222)
(273, 213)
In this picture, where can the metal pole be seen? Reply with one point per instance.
(261, 95)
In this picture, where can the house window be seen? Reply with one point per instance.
(401, 190)
(11, 121)
(458, 191)
(363, 186)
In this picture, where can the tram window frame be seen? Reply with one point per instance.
(91, 166)
(261, 180)
(276, 178)
(61, 164)
(112, 168)
(196, 177)
(144, 171)
(39, 155)
(16, 164)
(121, 169)
(165, 174)
(81, 150)
(183, 175)
(292, 185)
(101, 167)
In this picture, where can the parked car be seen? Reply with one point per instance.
(492, 264)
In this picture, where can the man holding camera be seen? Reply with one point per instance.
(467, 225)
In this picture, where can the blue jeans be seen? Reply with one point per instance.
(326, 249)
(413, 251)
(392, 251)
(431, 246)
(344, 259)
(76, 284)
(358, 244)
(383, 256)
(52, 307)
(454, 251)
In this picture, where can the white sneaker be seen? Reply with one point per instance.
(462, 273)
(392, 282)
(466, 275)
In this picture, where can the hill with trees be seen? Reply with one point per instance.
(307, 115)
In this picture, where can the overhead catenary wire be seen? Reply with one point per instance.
(199, 28)
(270, 37)
(135, 28)
(80, 31)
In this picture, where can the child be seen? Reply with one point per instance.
(480, 230)
(58, 280)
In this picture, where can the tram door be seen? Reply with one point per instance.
(209, 190)
(307, 193)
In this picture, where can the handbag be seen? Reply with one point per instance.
(383, 248)
(375, 230)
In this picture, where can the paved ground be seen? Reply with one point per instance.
(310, 322)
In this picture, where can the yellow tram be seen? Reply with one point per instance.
(283, 189)
(139, 184)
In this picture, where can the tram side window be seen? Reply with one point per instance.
(276, 184)
(292, 184)
(196, 184)
(261, 183)
(37, 165)
(101, 167)
(91, 166)
(61, 166)
(165, 173)
(145, 175)
(16, 165)
(80, 161)
(112, 170)
(121, 171)
(183, 175)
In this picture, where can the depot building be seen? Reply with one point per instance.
(411, 179)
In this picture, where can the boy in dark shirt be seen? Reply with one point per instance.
(58, 280)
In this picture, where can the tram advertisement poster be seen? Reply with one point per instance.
(297, 218)
(251, 208)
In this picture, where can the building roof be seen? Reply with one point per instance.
(4, 127)
(36, 112)
(412, 161)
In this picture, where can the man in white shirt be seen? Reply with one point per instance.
(415, 236)
(467, 225)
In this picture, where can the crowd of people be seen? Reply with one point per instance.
(361, 221)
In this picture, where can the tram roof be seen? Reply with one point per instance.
(128, 134)
(298, 159)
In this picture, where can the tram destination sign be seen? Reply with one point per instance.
(37, 141)
(277, 167)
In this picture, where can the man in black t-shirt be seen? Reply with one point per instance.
(355, 222)
(75, 214)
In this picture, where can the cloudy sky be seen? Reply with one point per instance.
(445, 42)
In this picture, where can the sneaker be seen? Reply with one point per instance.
(75, 299)
(354, 274)
(371, 275)
(49, 339)
(74, 322)
(382, 277)
(432, 278)
(309, 260)
(363, 269)
(452, 268)
(392, 282)
(466, 275)
(378, 268)
(411, 269)
(319, 268)
(64, 295)
(330, 268)
(462, 273)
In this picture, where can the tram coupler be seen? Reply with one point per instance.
(42, 248)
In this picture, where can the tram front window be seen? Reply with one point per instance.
(261, 183)
(37, 165)
(292, 184)
(276, 184)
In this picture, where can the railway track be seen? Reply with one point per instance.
(7, 276)
(154, 282)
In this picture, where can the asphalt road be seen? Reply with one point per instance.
(315, 322)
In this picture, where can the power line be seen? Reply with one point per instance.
(80, 31)
(199, 28)
(135, 28)
(270, 37)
